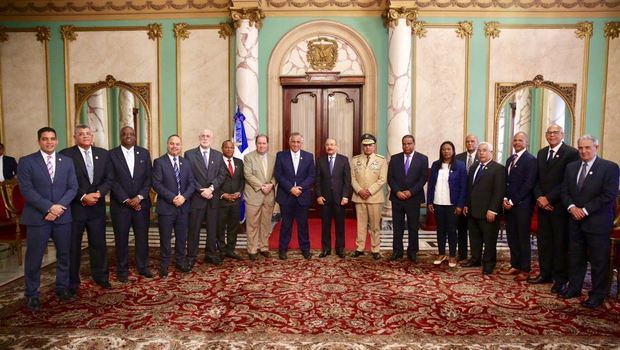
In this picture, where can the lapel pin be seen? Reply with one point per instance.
(590, 173)
(485, 168)
(557, 155)
(59, 159)
(96, 157)
(137, 152)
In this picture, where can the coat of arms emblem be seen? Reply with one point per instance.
(322, 53)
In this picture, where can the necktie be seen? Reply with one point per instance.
(582, 176)
(407, 163)
(470, 161)
(477, 173)
(50, 167)
(512, 162)
(331, 165)
(550, 156)
(89, 166)
(205, 157)
(230, 168)
(295, 163)
(367, 160)
(177, 174)
(264, 161)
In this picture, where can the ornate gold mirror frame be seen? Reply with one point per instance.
(503, 91)
(141, 90)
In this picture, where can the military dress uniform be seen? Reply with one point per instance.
(368, 172)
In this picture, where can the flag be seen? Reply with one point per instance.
(241, 141)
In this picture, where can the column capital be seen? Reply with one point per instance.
(254, 14)
(393, 14)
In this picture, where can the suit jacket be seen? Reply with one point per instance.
(41, 193)
(233, 183)
(336, 185)
(597, 195)
(457, 182)
(103, 178)
(487, 192)
(415, 179)
(125, 186)
(463, 158)
(165, 184)
(214, 176)
(521, 180)
(371, 175)
(550, 175)
(255, 177)
(287, 178)
(9, 167)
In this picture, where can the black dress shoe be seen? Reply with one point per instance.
(265, 254)
(376, 256)
(146, 274)
(216, 261)
(471, 263)
(324, 254)
(487, 271)
(357, 253)
(163, 273)
(234, 255)
(569, 294)
(282, 255)
(252, 256)
(592, 303)
(461, 258)
(395, 256)
(340, 253)
(33, 303)
(73, 291)
(123, 279)
(412, 257)
(306, 254)
(104, 284)
(65, 295)
(558, 287)
(538, 280)
(182, 268)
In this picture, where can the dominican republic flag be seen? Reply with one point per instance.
(241, 141)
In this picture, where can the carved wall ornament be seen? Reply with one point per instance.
(584, 30)
(392, 15)
(83, 91)
(155, 31)
(181, 31)
(491, 30)
(254, 15)
(322, 53)
(226, 30)
(68, 33)
(612, 30)
(3, 34)
(465, 29)
(43, 34)
(418, 29)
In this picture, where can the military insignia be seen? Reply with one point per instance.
(322, 53)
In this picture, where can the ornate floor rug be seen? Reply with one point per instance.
(320, 303)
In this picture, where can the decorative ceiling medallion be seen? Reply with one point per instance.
(154, 31)
(584, 30)
(491, 30)
(322, 53)
(392, 15)
(181, 31)
(418, 29)
(612, 30)
(68, 33)
(465, 29)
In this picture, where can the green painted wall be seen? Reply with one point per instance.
(369, 27)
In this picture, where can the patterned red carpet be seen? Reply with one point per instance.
(320, 299)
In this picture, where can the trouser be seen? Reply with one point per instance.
(586, 246)
(124, 218)
(258, 226)
(97, 250)
(411, 210)
(484, 233)
(552, 239)
(332, 210)
(167, 223)
(518, 222)
(298, 213)
(36, 242)
(368, 214)
(446, 228)
(228, 227)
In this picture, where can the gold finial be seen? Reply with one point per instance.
(254, 15)
(181, 30)
(68, 33)
(392, 15)
(154, 31)
(491, 29)
(465, 29)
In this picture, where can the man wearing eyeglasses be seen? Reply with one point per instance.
(552, 217)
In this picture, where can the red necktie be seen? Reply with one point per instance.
(230, 168)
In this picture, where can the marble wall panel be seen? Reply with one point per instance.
(204, 94)
(519, 54)
(24, 92)
(611, 124)
(127, 55)
(439, 100)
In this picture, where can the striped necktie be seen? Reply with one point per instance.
(177, 174)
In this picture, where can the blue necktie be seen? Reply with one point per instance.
(177, 174)
(480, 167)
(407, 164)
(331, 165)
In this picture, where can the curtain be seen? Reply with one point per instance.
(303, 115)
(340, 121)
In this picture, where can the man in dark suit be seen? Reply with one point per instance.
(407, 174)
(589, 193)
(470, 158)
(552, 216)
(174, 183)
(209, 171)
(333, 189)
(295, 173)
(47, 182)
(230, 202)
(486, 187)
(8, 165)
(95, 176)
(518, 205)
(130, 204)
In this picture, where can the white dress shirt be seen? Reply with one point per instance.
(45, 155)
(442, 188)
(130, 158)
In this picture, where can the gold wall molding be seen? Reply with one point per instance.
(491, 29)
(226, 30)
(154, 31)
(43, 34)
(612, 30)
(393, 14)
(68, 33)
(181, 31)
(254, 15)
(465, 29)
(418, 29)
(584, 30)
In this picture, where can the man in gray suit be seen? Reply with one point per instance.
(259, 195)
(209, 173)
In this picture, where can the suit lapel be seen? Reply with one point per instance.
(591, 172)
(79, 160)
(41, 161)
(197, 154)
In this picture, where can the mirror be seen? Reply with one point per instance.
(109, 105)
(531, 106)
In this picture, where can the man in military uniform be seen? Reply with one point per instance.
(368, 175)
